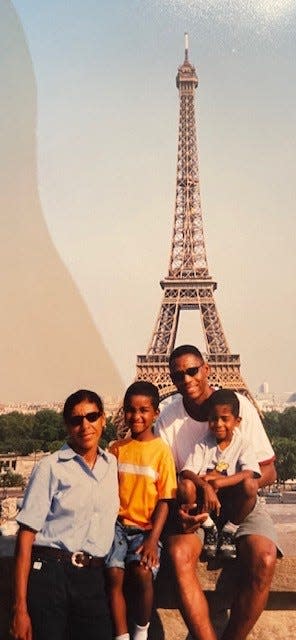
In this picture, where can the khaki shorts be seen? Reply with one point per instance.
(259, 523)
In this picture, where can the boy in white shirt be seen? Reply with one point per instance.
(220, 476)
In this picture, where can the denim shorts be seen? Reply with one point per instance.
(126, 541)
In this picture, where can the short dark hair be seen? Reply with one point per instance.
(142, 388)
(80, 396)
(225, 396)
(183, 350)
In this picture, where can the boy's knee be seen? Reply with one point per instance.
(142, 576)
(186, 491)
(250, 487)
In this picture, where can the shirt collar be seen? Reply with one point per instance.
(67, 453)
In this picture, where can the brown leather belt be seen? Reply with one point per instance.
(77, 558)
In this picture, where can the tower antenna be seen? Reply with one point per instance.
(186, 46)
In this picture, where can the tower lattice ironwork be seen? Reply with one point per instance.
(188, 284)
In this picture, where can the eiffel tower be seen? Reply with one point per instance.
(188, 284)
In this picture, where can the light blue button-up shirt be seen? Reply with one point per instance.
(71, 506)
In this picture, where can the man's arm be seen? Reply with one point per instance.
(268, 473)
(21, 627)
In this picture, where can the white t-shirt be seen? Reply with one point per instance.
(181, 432)
(239, 455)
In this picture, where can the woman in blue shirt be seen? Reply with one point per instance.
(66, 529)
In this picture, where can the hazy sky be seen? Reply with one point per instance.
(107, 134)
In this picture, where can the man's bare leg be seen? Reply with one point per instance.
(184, 551)
(257, 558)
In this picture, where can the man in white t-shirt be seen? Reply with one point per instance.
(182, 424)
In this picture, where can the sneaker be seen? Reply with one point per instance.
(227, 546)
(210, 541)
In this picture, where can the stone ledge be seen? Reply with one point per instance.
(213, 579)
(284, 578)
(277, 622)
(272, 625)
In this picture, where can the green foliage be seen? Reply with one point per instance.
(109, 433)
(288, 423)
(44, 431)
(48, 426)
(271, 422)
(28, 446)
(10, 479)
(55, 445)
(281, 425)
(15, 432)
(285, 450)
(23, 434)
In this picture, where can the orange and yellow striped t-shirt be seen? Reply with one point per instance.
(146, 473)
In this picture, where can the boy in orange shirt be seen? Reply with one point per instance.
(147, 480)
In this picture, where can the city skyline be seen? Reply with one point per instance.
(107, 131)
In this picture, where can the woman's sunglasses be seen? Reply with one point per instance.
(76, 421)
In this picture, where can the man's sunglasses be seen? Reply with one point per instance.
(76, 421)
(179, 376)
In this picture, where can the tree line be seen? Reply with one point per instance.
(44, 431)
(281, 429)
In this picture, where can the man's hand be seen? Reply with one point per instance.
(189, 522)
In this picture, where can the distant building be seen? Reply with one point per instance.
(111, 406)
(29, 407)
(20, 464)
(264, 388)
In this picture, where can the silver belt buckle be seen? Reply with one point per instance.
(75, 558)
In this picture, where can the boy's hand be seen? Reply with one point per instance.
(190, 522)
(210, 498)
(216, 482)
(211, 475)
(149, 554)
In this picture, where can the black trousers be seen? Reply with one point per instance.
(67, 602)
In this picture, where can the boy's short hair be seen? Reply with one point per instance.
(225, 396)
(183, 350)
(79, 396)
(142, 388)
